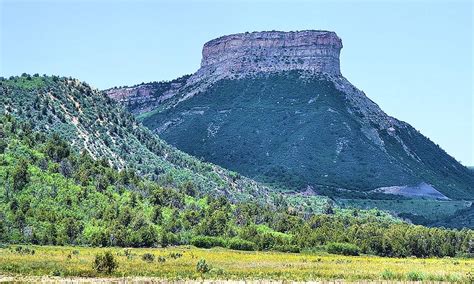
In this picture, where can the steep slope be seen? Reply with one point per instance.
(275, 107)
(92, 122)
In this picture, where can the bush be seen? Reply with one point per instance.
(287, 248)
(56, 272)
(148, 257)
(415, 276)
(105, 263)
(207, 242)
(168, 239)
(24, 250)
(343, 248)
(175, 255)
(202, 267)
(387, 275)
(239, 244)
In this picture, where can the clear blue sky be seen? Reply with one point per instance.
(413, 58)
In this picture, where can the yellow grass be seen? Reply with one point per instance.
(230, 264)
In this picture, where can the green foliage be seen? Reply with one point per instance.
(419, 211)
(20, 175)
(287, 248)
(105, 263)
(91, 122)
(208, 242)
(24, 250)
(90, 203)
(239, 244)
(148, 257)
(202, 266)
(343, 248)
(415, 276)
(296, 130)
(387, 275)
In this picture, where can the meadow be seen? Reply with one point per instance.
(178, 263)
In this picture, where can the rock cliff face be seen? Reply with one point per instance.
(245, 53)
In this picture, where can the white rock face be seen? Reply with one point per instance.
(422, 190)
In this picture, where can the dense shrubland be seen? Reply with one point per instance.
(89, 120)
(50, 194)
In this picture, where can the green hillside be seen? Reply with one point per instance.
(295, 130)
(51, 195)
(91, 121)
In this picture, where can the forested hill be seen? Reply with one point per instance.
(92, 122)
(49, 194)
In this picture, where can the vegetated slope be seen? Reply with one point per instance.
(463, 218)
(296, 129)
(49, 194)
(92, 122)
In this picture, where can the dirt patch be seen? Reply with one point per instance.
(421, 190)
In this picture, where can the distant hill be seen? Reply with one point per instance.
(463, 218)
(274, 106)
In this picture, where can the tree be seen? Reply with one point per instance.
(20, 175)
(105, 263)
(202, 267)
(65, 168)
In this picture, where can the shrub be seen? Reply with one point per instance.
(343, 248)
(175, 255)
(56, 272)
(161, 259)
(207, 242)
(24, 250)
(105, 263)
(148, 257)
(217, 271)
(239, 244)
(415, 276)
(168, 239)
(202, 267)
(287, 248)
(387, 275)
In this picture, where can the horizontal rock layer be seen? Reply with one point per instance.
(317, 51)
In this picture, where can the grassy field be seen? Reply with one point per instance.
(228, 264)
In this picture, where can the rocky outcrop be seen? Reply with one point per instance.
(145, 97)
(123, 94)
(245, 53)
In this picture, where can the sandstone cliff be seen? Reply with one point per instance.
(272, 51)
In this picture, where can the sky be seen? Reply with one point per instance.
(413, 58)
